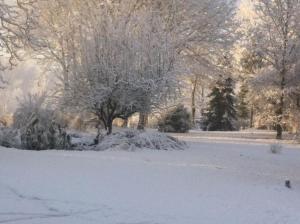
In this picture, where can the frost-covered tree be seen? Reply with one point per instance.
(276, 37)
(53, 39)
(15, 24)
(250, 64)
(207, 31)
(199, 28)
(122, 67)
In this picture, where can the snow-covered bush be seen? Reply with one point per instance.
(132, 140)
(177, 120)
(81, 140)
(28, 107)
(275, 148)
(36, 136)
(9, 138)
(297, 138)
(40, 127)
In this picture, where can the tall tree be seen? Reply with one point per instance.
(242, 102)
(60, 24)
(250, 63)
(208, 30)
(56, 24)
(221, 112)
(123, 65)
(277, 41)
(214, 116)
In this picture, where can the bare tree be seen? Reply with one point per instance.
(122, 66)
(198, 28)
(14, 27)
(277, 42)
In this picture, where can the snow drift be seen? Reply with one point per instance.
(131, 140)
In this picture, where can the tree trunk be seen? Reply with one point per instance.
(202, 100)
(109, 126)
(193, 116)
(279, 112)
(282, 73)
(96, 140)
(251, 117)
(279, 115)
(279, 131)
(143, 120)
(125, 123)
(193, 103)
(66, 80)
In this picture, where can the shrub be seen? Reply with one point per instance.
(275, 148)
(83, 140)
(9, 138)
(177, 120)
(131, 140)
(40, 127)
(128, 140)
(296, 138)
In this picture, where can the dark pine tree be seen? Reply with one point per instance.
(242, 105)
(221, 111)
(229, 105)
(215, 111)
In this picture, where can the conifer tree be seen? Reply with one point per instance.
(229, 105)
(242, 105)
(215, 110)
(221, 112)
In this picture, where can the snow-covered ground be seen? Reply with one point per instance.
(249, 135)
(209, 183)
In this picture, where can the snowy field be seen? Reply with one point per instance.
(209, 183)
(249, 135)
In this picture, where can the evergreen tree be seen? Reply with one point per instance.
(242, 106)
(221, 112)
(215, 110)
(229, 105)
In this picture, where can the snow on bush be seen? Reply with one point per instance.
(296, 138)
(275, 148)
(42, 134)
(177, 120)
(132, 140)
(40, 127)
(81, 140)
(9, 138)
